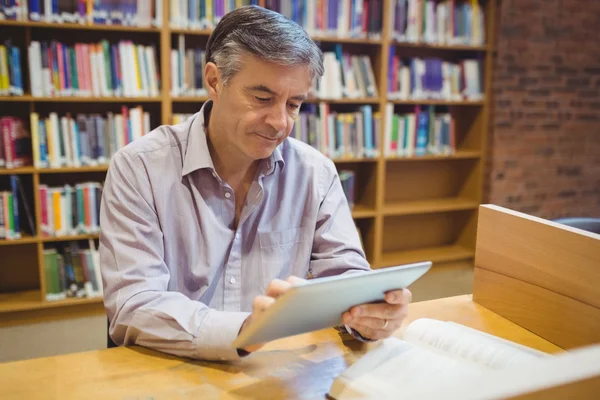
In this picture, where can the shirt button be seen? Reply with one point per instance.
(227, 194)
(232, 281)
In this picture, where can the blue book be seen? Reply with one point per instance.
(43, 143)
(16, 61)
(368, 129)
(391, 71)
(422, 133)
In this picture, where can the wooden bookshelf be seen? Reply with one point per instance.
(78, 27)
(30, 300)
(409, 208)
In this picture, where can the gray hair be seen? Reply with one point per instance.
(265, 34)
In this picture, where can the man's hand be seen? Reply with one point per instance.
(379, 320)
(276, 288)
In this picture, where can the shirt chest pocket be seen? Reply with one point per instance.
(284, 253)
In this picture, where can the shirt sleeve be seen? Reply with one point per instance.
(336, 246)
(140, 308)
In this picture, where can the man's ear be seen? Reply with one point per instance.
(212, 79)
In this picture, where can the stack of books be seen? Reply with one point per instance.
(448, 22)
(15, 143)
(11, 75)
(70, 210)
(187, 68)
(102, 69)
(12, 203)
(421, 132)
(346, 76)
(339, 135)
(141, 13)
(72, 272)
(85, 140)
(341, 18)
(434, 78)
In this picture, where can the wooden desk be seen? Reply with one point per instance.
(298, 367)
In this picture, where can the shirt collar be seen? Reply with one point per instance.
(197, 155)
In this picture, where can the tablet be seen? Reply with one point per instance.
(319, 303)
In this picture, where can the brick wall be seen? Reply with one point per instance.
(544, 143)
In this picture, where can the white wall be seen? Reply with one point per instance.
(50, 338)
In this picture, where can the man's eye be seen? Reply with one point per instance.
(262, 99)
(294, 106)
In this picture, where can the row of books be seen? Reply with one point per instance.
(339, 135)
(141, 13)
(85, 139)
(15, 143)
(70, 210)
(438, 22)
(434, 78)
(102, 69)
(418, 133)
(72, 272)
(341, 18)
(11, 77)
(347, 179)
(10, 204)
(345, 75)
(187, 70)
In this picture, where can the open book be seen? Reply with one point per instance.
(437, 359)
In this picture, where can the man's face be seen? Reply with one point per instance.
(256, 110)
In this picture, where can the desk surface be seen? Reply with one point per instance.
(300, 367)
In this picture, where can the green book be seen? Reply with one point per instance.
(74, 76)
(107, 64)
(395, 132)
(10, 233)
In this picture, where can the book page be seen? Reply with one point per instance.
(396, 367)
(462, 342)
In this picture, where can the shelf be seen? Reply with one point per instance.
(450, 47)
(429, 206)
(189, 99)
(357, 100)
(459, 155)
(354, 160)
(17, 171)
(326, 39)
(335, 39)
(91, 27)
(430, 102)
(23, 240)
(190, 31)
(51, 239)
(76, 99)
(68, 170)
(433, 254)
(360, 211)
(30, 300)
(15, 98)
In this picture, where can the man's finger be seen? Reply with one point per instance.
(261, 303)
(369, 333)
(402, 296)
(377, 323)
(294, 280)
(277, 287)
(379, 310)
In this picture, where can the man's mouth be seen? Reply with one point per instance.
(273, 139)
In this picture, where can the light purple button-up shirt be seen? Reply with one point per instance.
(177, 276)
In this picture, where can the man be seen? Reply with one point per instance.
(205, 223)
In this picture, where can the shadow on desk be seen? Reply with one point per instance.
(299, 370)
